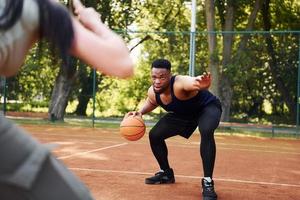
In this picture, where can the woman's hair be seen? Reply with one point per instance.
(11, 13)
(55, 23)
(56, 27)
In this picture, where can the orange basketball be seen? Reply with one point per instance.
(132, 128)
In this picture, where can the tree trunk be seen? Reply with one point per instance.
(212, 45)
(86, 91)
(288, 99)
(83, 101)
(226, 88)
(61, 91)
(250, 25)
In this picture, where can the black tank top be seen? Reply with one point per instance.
(190, 106)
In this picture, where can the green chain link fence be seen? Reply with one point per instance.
(263, 74)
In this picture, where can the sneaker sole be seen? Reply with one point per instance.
(158, 182)
(210, 198)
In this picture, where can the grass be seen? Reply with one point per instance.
(275, 133)
(114, 123)
(67, 122)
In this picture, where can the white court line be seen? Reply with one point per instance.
(187, 145)
(85, 152)
(241, 149)
(250, 145)
(258, 182)
(261, 151)
(191, 177)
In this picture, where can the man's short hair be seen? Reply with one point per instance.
(161, 63)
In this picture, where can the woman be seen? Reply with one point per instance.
(28, 170)
(23, 22)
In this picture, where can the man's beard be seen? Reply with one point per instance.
(162, 89)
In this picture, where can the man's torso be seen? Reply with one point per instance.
(181, 102)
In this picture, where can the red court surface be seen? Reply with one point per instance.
(247, 168)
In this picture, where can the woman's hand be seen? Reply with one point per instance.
(89, 18)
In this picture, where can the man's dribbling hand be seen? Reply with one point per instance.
(133, 113)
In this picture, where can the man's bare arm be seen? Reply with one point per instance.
(149, 105)
(201, 82)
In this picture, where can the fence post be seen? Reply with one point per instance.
(3, 84)
(298, 86)
(94, 94)
(192, 39)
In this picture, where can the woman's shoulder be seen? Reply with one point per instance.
(30, 15)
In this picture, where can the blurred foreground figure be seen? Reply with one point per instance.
(27, 169)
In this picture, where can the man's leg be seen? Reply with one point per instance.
(29, 171)
(168, 126)
(208, 122)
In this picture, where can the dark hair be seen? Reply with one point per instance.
(11, 13)
(55, 24)
(161, 63)
(56, 27)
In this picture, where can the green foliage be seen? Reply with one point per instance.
(35, 79)
(116, 97)
(160, 29)
(253, 81)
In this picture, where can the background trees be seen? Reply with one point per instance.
(255, 73)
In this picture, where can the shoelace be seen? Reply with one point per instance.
(209, 189)
(158, 173)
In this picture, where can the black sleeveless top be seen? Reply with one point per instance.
(190, 106)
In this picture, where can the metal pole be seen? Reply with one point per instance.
(4, 96)
(192, 39)
(298, 86)
(94, 98)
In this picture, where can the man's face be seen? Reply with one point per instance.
(160, 79)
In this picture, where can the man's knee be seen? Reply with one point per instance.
(206, 133)
(155, 135)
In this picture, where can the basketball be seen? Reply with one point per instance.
(132, 128)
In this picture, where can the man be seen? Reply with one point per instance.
(188, 104)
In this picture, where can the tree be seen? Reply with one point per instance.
(153, 41)
(118, 15)
(61, 91)
(257, 71)
(34, 82)
(212, 45)
(227, 10)
(274, 63)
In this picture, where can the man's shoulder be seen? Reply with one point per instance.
(150, 91)
(180, 77)
(151, 95)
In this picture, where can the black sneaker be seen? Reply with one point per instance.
(165, 177)
(208, 192)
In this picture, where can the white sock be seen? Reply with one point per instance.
(208, 179)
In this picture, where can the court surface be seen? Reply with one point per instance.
(113, 168)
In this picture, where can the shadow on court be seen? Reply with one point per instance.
(114, 169)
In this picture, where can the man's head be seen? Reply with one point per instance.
(160, 75)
